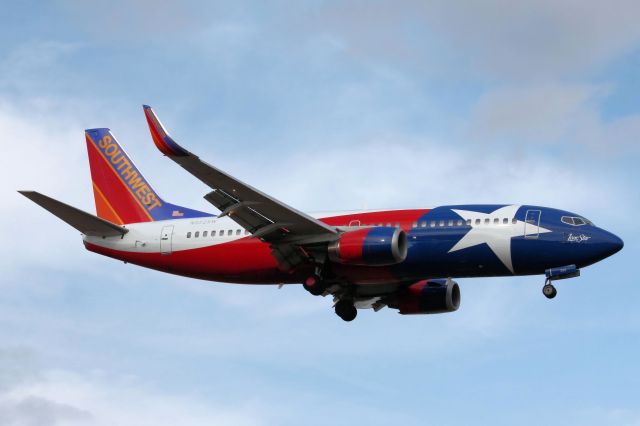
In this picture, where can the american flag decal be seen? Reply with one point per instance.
(177, 213)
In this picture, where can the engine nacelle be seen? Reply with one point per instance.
(378, 246)
(429, 297)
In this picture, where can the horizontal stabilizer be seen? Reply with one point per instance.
(84, 222)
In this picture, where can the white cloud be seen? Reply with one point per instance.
(565, 118)
(36, 411)
(396, 171)
(532, 40)
(135, 21)
(42, 152)
(68, 398)
(544, 113)
(33, 66)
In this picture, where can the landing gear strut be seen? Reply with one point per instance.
(346, 310)
(549, 290)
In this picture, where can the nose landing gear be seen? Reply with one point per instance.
(561, 273)
(549, 290)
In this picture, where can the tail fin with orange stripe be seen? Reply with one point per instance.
(121, 192)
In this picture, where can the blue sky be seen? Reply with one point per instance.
(327, 106)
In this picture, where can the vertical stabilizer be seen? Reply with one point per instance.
(121, 192)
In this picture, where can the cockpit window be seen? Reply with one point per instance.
(575, 221)
(566, 219)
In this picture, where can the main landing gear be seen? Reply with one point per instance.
(315, 285)
(549, 290)
(344, 307)
(346, 310)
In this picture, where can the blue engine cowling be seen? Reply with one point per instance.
(377, 246)
(428, 297)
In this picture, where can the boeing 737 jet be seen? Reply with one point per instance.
(404, 259)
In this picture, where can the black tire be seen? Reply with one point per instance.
(549, 291)
(346, 310)
(314, 285)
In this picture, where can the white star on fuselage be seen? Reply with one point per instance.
(496, 236)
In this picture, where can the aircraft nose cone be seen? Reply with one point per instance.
(611, 243)
(616, 244)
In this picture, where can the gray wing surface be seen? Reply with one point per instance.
(262, 215)
(84, 222)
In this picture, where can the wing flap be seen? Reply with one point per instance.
(84, 222)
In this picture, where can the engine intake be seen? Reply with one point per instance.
(429, 297)
(376, 246)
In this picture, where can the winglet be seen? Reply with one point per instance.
(161, 138)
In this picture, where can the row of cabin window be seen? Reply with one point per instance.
(213, 233)
(460, 222)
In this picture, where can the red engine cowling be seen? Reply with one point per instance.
(376, 246)
(429, 297)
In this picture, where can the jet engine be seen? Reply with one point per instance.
(377, 246)
(429, 297)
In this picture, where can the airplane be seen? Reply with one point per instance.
(404, 259)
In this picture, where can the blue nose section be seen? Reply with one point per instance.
(610, 244)
(616, 244)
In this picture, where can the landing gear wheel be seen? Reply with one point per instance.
(346, 310)
(549, 291)
(314, 285)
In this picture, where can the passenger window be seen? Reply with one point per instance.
(188, 234)
(477, 221)
(441, 223)
(229, 232)
(197, 234)
(238, 232)
(496, 221)
(450, 222)
(213, 233)
(380, 224)
(246, 232)
(423, 224)
(505, 221)
(468, 222)
(433, 224)
(414, 225)
(514, 221)
(487, 221)
(204, 234)
(389, 224)
(459, 223)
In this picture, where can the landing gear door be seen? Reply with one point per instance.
(532, 223)
(166, 235)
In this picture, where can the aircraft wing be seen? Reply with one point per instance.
(84, 222)
(265, 217)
